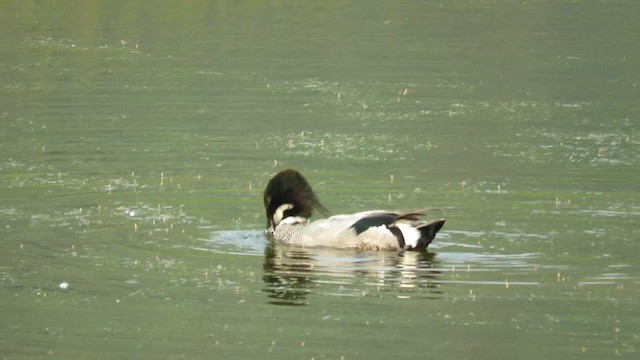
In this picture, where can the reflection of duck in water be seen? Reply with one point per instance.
(289, 203)
(287, 275)
(292, 275)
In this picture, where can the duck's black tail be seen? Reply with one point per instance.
(428, 232)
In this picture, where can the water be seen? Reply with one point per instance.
(136, 140)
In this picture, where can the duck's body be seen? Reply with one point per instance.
(289, 203)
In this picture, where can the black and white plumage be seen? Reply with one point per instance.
(289, 203)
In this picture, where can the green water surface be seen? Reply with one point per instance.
(136, 139)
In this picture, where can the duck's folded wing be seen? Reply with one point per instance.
(373, 220)
(379, 218)
(404, 225)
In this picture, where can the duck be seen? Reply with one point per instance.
(289, 203)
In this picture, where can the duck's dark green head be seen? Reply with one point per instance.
(289, 187)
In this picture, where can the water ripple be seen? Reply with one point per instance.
(294, 275)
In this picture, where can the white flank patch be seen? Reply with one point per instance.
(411, 235)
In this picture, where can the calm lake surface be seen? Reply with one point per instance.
(137, 138)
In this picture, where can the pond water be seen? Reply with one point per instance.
(137, 138)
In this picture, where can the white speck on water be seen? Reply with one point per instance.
(63, 285)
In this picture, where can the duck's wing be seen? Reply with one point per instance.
(375, 218)
(406, 226)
